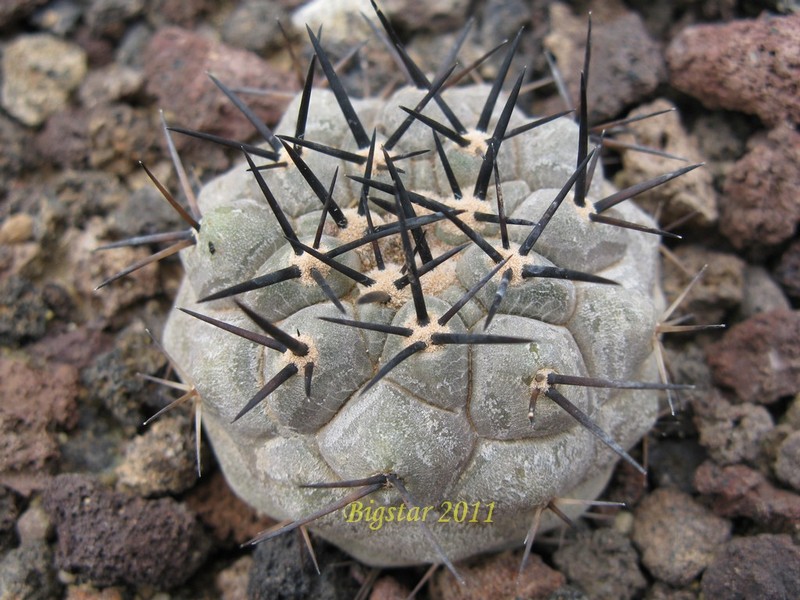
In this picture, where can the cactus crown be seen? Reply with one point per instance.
(394, 296)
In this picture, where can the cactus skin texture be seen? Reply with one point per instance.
(451, 421)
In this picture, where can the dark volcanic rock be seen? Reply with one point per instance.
(112, 538)
(765, 566)
(282, 570)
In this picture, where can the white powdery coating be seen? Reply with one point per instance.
(451, 421)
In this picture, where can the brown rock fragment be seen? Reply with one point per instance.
(760, 205)
(34, 405)
(112, 538)
(176, 65)
(230, 520)
(496, 577)
(626, 63)
(739, 491)
(731, 433)
(691, 193)
(750, 66)
(759, 359)
(602, 563)
(677, 536)
(763, 566)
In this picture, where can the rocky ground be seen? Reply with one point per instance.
(93, 505)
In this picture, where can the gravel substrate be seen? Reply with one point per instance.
(94, 505)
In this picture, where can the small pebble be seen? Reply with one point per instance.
(788, 271)
(496, 577)
(787, 465)
(761, 293)
(627, 65)
(759, 207)
(27, 573)
(161, 461)
(739, 491)
(677, 536)
(39, 73)
(603, 563)
(16, 229)
(253, 25)
(719, 290)
(112, 538)
(759, 359)
(731, 433)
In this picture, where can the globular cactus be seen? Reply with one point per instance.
(462, 329)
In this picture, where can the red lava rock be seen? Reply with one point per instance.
(760, 204)
(112, 538)
(750, 66)
(788, 271)
(677, 536)
(230, 520)
(759, 359)
(602, 563)
(763, 566)
(176, 62)
(626, 66)
(34, 405)
(496, 577)
(739, 491)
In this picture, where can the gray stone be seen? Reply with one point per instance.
(27, 572)
(603, 563)
(787, 465)
(761, 293)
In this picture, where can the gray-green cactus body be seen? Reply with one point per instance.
(452, 420)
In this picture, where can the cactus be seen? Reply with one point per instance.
(375, 334)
